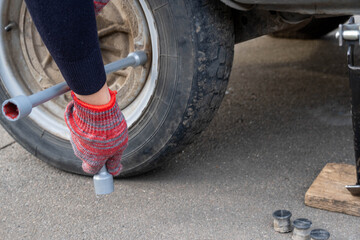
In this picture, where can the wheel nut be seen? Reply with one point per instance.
(282, 221)
(319, 234)
(9, 27)
(301, 229)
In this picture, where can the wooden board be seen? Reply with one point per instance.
(328, 191)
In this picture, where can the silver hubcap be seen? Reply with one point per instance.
(123, 27)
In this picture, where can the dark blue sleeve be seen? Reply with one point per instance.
(68, 29)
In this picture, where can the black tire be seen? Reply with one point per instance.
(316, 28)
(196, 49)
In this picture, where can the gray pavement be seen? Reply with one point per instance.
(285, 115)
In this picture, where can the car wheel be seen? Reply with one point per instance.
(166, 102)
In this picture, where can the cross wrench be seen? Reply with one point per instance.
(21, 106)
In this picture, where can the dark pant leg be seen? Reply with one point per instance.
(68, 29)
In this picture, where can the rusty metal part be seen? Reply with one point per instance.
(10, 26)
(256, 23)
(332, 7)
(238, 6)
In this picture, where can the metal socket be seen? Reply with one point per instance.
(282, 222)
(103, 182)
(319, 234)
(10, 26)
(301, 229)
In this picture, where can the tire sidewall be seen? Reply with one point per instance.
(148, 139)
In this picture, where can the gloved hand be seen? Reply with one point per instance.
(98, 134)
(99, 5)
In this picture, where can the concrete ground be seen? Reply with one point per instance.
(285, 115)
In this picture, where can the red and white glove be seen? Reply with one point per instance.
(99, 5)
(98, 134)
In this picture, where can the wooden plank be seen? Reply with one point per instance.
(328, 191)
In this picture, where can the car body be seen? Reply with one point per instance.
(173, 97)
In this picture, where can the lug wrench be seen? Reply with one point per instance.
(21, 106)
(350, 33)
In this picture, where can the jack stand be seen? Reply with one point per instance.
(350, 34)
(327, 191)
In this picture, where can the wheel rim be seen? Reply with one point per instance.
(27, 67)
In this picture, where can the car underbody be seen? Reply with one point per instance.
(321, 7)
(254, 18)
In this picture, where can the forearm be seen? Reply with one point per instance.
(100, 97)
(68, 29)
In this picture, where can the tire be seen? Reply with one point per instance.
(195, 54)
(316, 28)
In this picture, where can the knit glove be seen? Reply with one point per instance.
(98, 134)
(99, 5)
